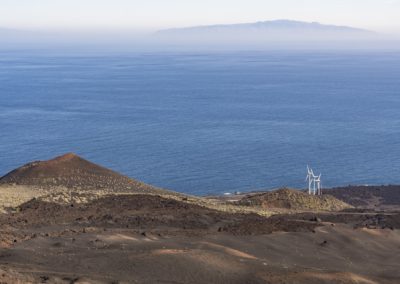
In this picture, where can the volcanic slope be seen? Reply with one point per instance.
(293, 199)
(73, 172)
(371, 197)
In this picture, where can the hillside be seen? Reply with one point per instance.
(369, 196)
(293, 199)
(72, 171)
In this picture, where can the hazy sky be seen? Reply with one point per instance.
(379, 15)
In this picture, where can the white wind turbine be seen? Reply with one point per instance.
(309, 178)
(314, 182)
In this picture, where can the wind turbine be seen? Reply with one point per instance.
(314, 182)
(309, 178)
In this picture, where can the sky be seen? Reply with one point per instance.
(148, 15)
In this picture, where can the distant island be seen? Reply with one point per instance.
(270, 26)
(268, 30)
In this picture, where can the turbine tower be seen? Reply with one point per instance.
(317, 180)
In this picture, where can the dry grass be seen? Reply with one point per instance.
(294, 199)
(11, 196)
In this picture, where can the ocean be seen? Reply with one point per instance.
(207, 123)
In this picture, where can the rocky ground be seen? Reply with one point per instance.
(372, 197)
(95, 226)
(153, 239)
(145, 214)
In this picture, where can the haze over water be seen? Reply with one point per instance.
(205, 123)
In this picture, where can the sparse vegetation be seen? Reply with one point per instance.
(295, 200)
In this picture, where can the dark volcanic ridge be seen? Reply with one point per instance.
(73, 172)
(380, 197)
(145, 213)
(152, 215)
(369, 220)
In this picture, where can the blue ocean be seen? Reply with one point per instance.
(207, 123)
